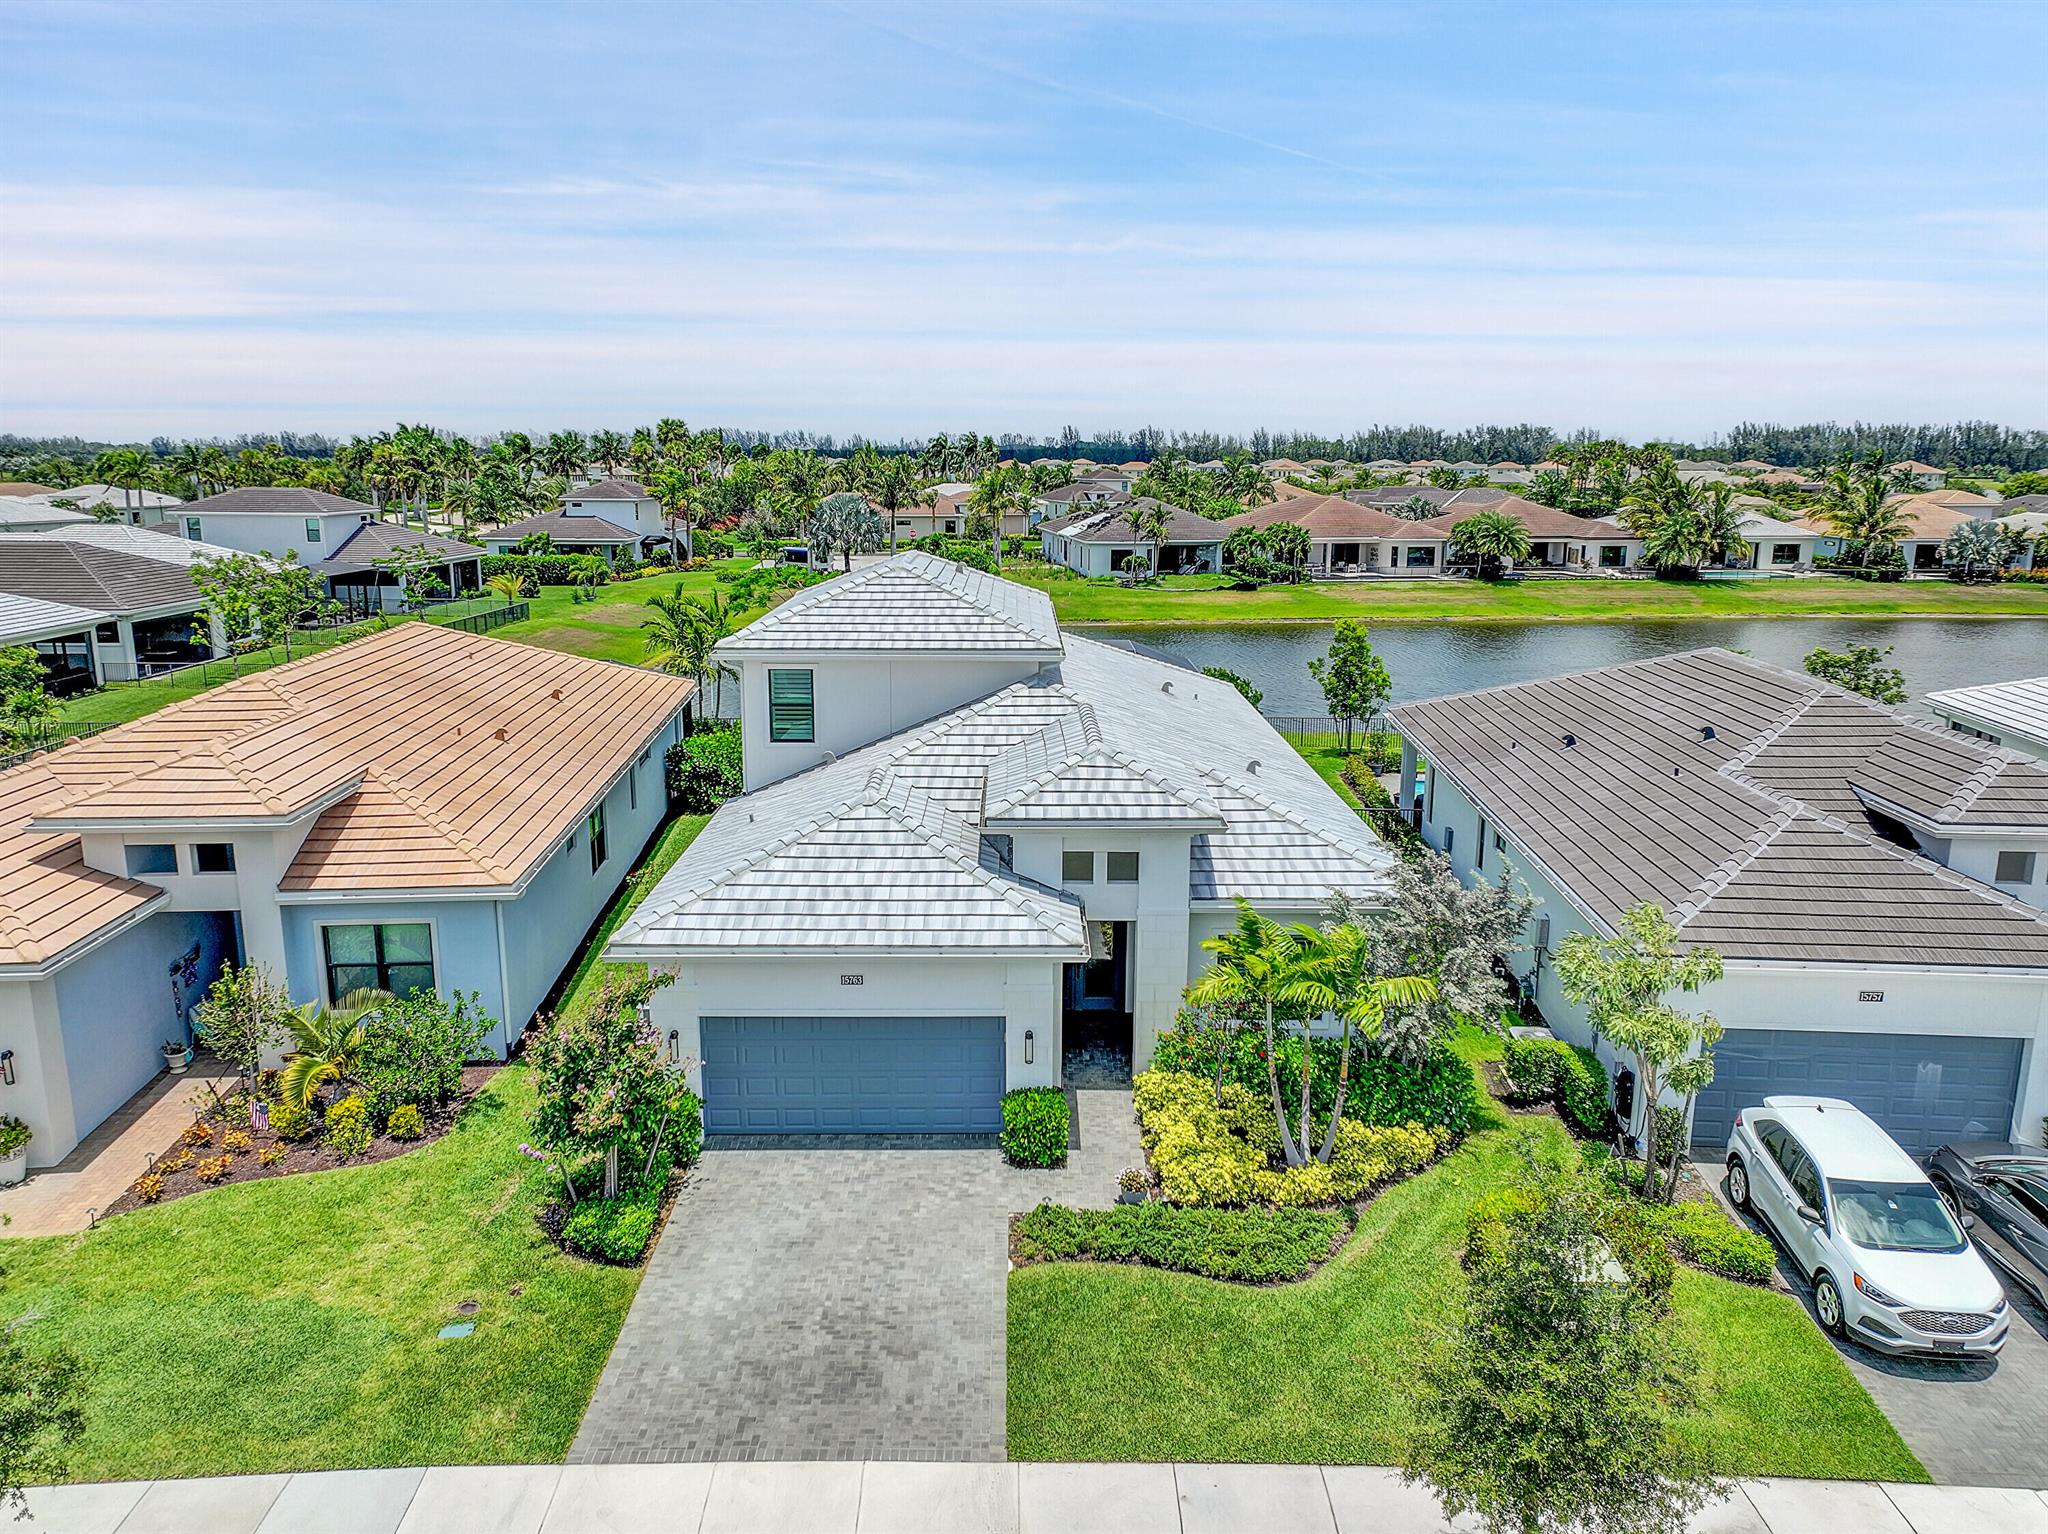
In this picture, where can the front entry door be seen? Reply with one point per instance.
(1098, 985)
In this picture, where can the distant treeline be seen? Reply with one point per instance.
(1978, 447)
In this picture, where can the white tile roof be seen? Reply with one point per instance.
(909, 602)
(24, 618)
(882, 850)
(2019, 707)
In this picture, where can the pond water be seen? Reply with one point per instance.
(1425, 660)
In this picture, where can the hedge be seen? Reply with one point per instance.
(1438, 1094)
(1035, 1126)
(549, 569)
(1705, 1237)
(705, 769)
(1250, 1246)
(1550, 1070)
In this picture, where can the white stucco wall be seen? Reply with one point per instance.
(263, 533)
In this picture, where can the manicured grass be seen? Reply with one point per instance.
(290, 1324)
(1198, 599)
(591, 969)
(131, 700)
(1109, 1363)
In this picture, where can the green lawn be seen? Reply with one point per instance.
(1109, 1362)
(290, 1324)
(1199, 599)
(591, 969)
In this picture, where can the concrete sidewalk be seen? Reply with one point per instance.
(904, 1497)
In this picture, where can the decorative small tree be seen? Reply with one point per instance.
(1354, 680)
(1622, 982)
(1550, 1400)
(1861, 669)
(244, 1015)
(607, 1089)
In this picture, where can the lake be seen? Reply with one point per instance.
(1425, 660)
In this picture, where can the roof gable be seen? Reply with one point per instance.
(909, 603)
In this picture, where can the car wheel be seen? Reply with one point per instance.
(1738, 1183)
(1827, 1303)
(1948, 1195)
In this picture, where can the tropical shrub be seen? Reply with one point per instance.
(1705, 1237)
(549, 569)
(1035, 1126)
(348, 1126)
(405, 1122)
(705, 769)
(617, 1230)
(290, 1121)
(14, 1135)
(236, 1141)
(1210, 1154)
(271, 1155)
(149, 1187)
(1439, 1093)
(414, 1049)
(1245, 1245)
(1550, 1070)
(214, 1168)
(198, 1132)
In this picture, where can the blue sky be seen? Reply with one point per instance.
(903, 218)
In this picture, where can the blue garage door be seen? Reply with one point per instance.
(1923, 1089)
(853, 1075)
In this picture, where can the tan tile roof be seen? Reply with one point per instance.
(24, 487)
(401, 730)
(1540, 520)
(1931, 518)
(1331, 516)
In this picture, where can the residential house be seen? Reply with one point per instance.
(2031, 527)
(1928, 525)
(1076, 495)
(967, 839)
(1388, 497)
(11, 488)
(419, 808)
(149, 616)
(1347, 539)
(21, 515)
(1924, 475)
(1776, 543)
(624, 503)
(1280, 468)
(1875, 885)
(1099, 540)
(340, 540)
(581, 533)
(134, 506)
(1557, 539)
(2009, 714)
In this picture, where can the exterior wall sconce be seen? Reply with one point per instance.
(1030, 1046)
(7, 1066)
(675, 1043)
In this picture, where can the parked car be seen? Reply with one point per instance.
(2000, 1192)
(1891, 1266)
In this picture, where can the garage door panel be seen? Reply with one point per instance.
(1922, 1088)
(824, 1075)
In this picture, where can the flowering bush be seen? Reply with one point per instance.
(198, 1132)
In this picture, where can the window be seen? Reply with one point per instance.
(213, 857)
(2015, 868)
(1077, 868)
(387, 956)
(1784, 553)
(312, 529)
(1612, 556)
(107, 633)
(952, 526)
(1420, 558)
(1429, 798)
(1500, 843)
(151, 858)
(595, 825)
(791, 716)
(2032, 1197)
(1450, 839)
(1122, 867)
(1479, 847)
(192, 528)
(1891, 1216)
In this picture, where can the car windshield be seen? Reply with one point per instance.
(1894, 1216)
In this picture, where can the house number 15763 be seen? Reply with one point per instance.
(853, 979)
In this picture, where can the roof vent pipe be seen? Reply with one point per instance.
(1570, 741)
(1252, 766)
(501, 732)
(1166, 687)
(1706, 732)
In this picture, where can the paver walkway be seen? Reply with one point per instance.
(100, 1168)
(835, 1303)
(903, 1498)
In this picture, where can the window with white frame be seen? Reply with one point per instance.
(2015, 868)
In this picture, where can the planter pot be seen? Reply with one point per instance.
(13, 1168)
(1126, 1196)
(176, 1063)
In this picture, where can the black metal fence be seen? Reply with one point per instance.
(483, 620)
(48, 737)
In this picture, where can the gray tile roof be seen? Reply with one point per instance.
(2021, 707)
(273, 501)
(1109, 524)
(563, 528)
(909, 602)
(614, 489)
(27, 618)
(882, 850)
(1739, 796)
(55, 568)
(373, 541)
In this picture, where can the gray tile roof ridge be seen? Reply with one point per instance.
(928, 568)
(1731, 868)
(1735, 765)
(1097, 750)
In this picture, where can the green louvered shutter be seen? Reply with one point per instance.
(790, 714)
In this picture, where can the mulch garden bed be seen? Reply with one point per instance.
(178, 1163)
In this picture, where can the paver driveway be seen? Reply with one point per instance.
(835, 1303)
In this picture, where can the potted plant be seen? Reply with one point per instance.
(177, 1055)
(1133, 1185)
(14, 1138)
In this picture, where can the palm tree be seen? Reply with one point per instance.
(329, 1043)
(188, 462)
(1493, 538)
(608, 450)
(683, 634)
(897, 487)
(1253, 966)
(1858, 501)
(508, 586)
(995, 496)
(564, 455)
(1150, 521)
(1332, 973)
(1245, 482)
